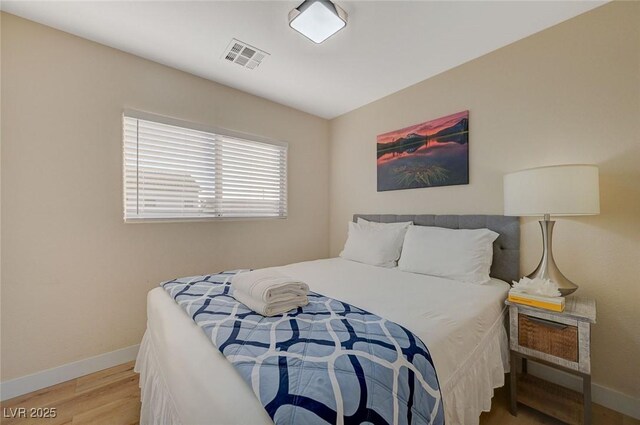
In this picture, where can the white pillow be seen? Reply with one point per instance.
(376, 245)
(464, 255)
(402, 224)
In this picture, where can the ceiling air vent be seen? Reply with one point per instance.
(243, 54)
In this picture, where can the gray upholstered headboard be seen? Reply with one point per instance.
(506, 249)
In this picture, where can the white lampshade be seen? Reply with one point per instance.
(555, 190)
(317, 19)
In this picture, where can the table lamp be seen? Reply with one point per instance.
(561, 190)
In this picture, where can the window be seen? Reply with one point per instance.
(181, 171)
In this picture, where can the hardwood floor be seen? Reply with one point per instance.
(499, 414)
(112, 397)
(108, 397)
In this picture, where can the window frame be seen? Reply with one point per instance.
(223, 132)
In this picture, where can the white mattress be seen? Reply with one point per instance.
(461, 324)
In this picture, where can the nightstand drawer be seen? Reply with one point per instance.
(556, 339)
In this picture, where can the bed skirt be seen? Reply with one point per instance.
(158, 407)
(469, 391)
(465, 395)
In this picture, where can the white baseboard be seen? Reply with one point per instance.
(46, 378)
(601, 395)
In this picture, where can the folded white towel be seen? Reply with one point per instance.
(271, 308)
(269, 286)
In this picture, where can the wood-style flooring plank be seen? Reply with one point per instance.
(125, 411)
(107, 376)
(89, 400)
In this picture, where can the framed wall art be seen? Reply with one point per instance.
(433, 153)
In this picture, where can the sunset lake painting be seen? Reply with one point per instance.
(434, 153)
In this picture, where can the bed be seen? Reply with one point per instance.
(184, 379)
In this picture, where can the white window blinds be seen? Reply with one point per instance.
(173, 172)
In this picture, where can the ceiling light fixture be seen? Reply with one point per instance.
(317, 19)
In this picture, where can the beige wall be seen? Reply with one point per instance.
(570, 94)
(74, 276)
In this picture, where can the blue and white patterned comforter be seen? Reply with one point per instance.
(327, 362)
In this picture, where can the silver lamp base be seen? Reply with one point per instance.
(547, 269)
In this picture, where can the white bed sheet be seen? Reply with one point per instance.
(461, 324)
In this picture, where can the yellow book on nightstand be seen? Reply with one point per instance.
(546, 303)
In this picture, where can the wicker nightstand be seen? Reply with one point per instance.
(561, 340)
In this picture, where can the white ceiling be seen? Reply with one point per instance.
(386, 46)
